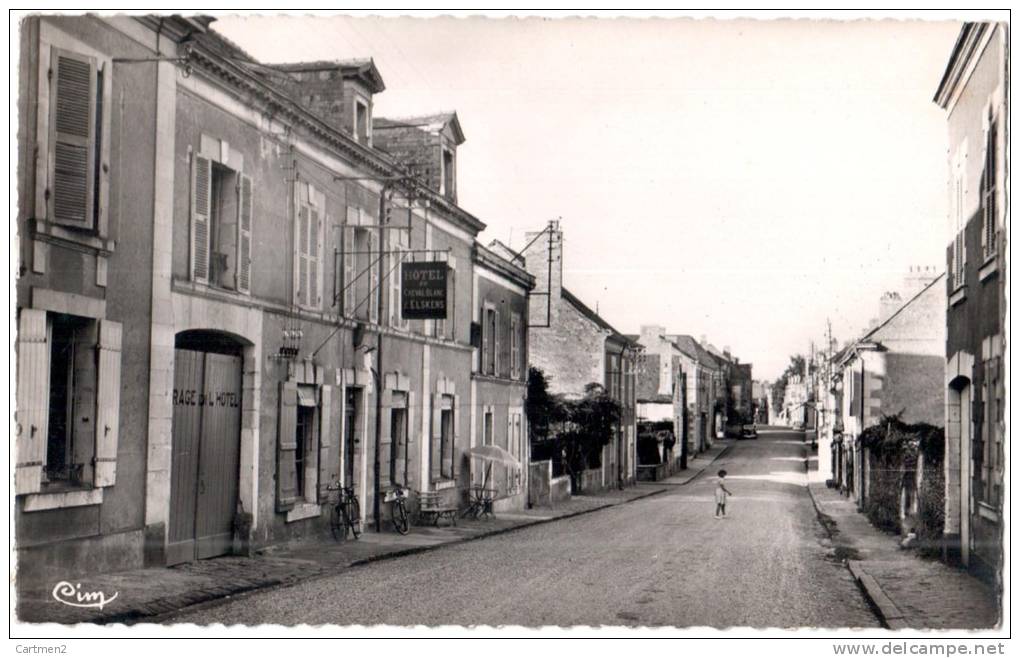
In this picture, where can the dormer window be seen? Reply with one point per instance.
(362, 123)
(447, 184)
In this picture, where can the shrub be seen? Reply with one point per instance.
(882, 506)
(931, 511)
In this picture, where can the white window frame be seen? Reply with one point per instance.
(399, 249)
(446, 329)
(958, 210)
(516, 340)
(307, 197)
(363, 102)
(32, 395)
(218, 151)
(447, 179)
(989, 223)
(50, 38)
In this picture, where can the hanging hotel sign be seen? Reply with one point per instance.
(423, 290)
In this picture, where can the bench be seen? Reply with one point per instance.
(434, 507)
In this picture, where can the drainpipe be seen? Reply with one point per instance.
(378, 365)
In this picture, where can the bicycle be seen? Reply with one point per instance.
(345, 516)
(397, 497)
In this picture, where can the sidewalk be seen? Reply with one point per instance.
(697, 466)
(148, 595)
(906, 590)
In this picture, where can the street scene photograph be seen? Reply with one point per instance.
(520, 325)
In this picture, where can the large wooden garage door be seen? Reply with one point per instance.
(206, 450)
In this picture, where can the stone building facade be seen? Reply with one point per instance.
(894, 369)
(500, 373)
(91, 171)
(240, 231)
(575, 346)
(974, 92)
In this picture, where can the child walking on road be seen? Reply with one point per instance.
(720, 496)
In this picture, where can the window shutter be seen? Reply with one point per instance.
(108, 416)
(514, 348)
(244, 228)
(286, 449)
(435, 456)
(486, 342)
(314, 271)
(394, 287)
(32, 399)
(411, 449)
(497, 348)
(201, 199)
(72, 138)
(303, 297)
(385, 441)
(454, 439)
(348, 287)
(373, 299)
(328, 466)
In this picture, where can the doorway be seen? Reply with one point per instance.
(205, 453)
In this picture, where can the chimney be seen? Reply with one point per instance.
(650, 334)
(916, 279)
(887, 305)
(427, 145)
(543, 256)
(338, 92)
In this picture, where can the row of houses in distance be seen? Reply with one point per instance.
(705, 393)
(933, 359)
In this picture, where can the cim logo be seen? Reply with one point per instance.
(72, 595)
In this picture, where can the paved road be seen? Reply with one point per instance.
(663, 560)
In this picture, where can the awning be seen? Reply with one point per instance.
(306, 396)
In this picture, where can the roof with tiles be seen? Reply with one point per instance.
(596, 318)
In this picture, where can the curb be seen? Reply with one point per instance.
(888, 613)
(883, 607)
(160, 614)
(664, 483)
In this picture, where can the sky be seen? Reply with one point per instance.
(742, 180)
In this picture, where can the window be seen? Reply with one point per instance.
(991, 434)
(445, 421)
(309, 226)
(398, 438)
(515, 346)
(399, 246)
(303, 440)
(490, 340)
(395, 441)
(445, 329)
(613, 377)
(72, 399)
(958, 253)
(515, 441)
(68, 401)
(362, 123)
(360, 268)
(303, 464)
(487, 437)
(77, 87)
(446, 443)
(221, 224)
(989, 179)
(447, 184)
